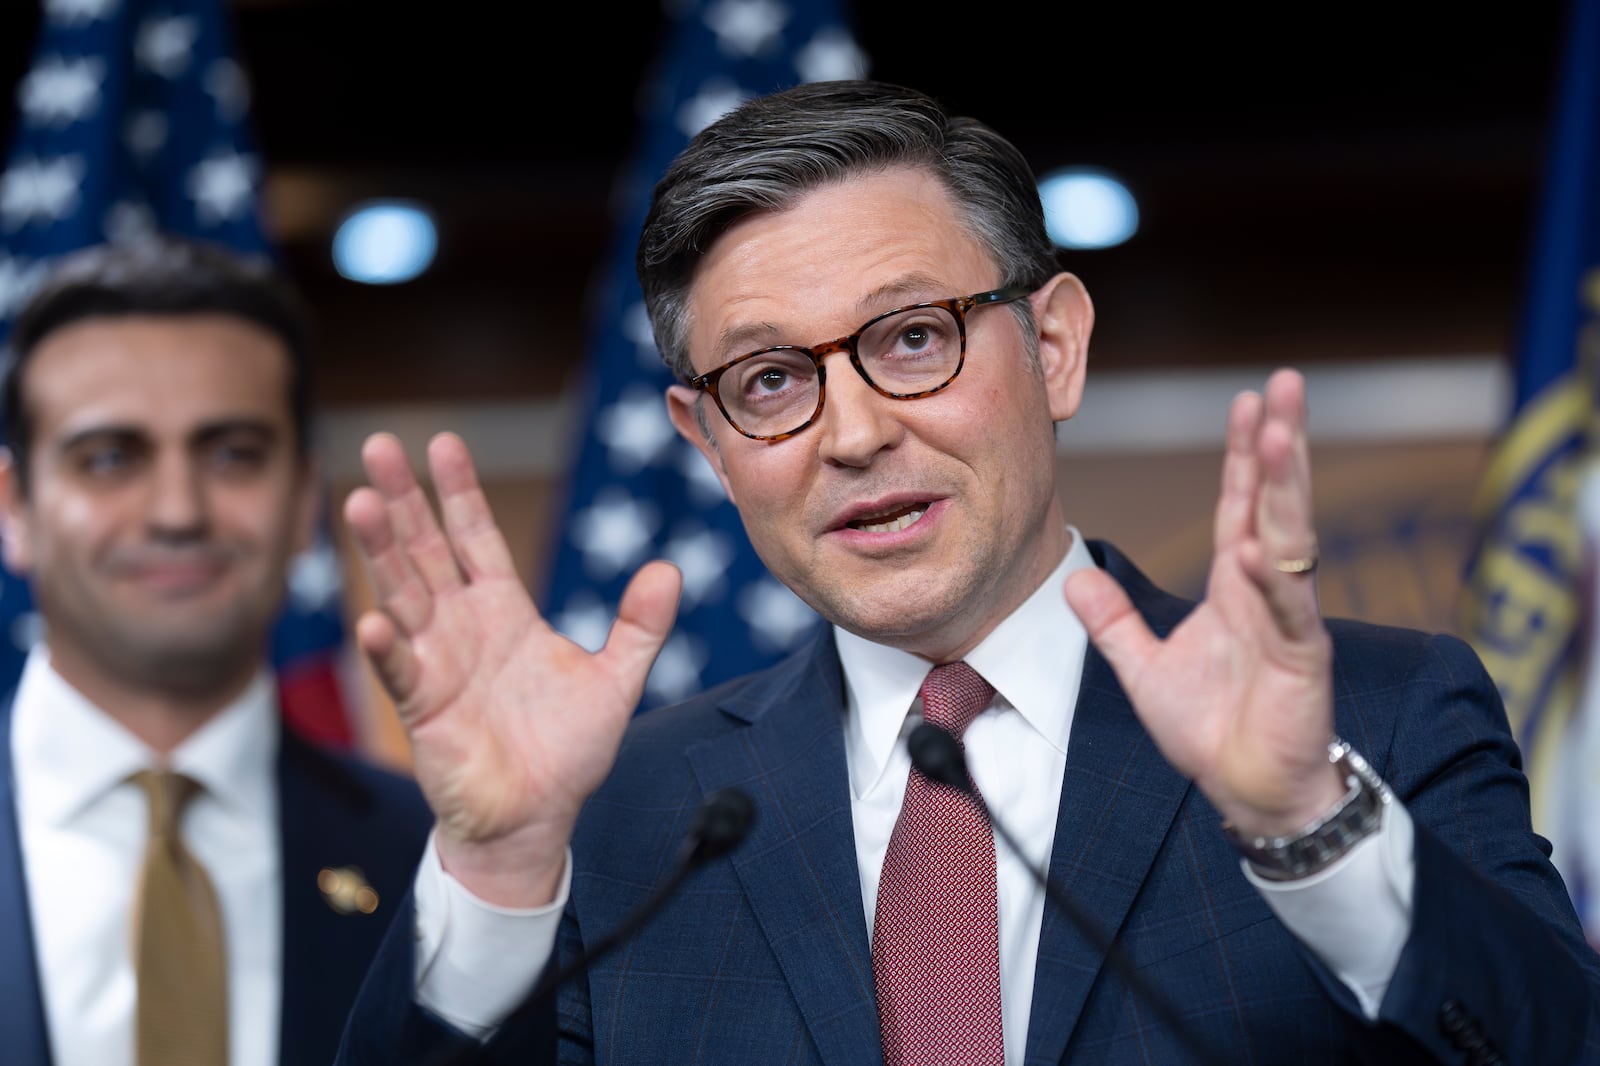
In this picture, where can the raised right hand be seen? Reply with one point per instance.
(511, 724)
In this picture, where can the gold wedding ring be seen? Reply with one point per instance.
(1303, 565)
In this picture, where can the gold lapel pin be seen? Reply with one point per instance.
(346, 889)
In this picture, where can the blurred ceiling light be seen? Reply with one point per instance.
(1087, 208)
(383, 242)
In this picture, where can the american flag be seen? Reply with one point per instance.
(134, 118)
(637, 491)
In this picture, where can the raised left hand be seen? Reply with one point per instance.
(1239, 697)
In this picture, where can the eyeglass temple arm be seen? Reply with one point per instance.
(1005, 295)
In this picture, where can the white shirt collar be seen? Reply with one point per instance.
(1033, 658)
(68, 753)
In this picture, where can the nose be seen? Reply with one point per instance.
(856, 422)
(177, 498)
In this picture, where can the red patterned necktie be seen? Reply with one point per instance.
(936, 935)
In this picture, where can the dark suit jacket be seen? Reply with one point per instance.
(763, 957)
(333, 811)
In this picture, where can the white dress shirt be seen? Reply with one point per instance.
(83, 828)
(1355, 915)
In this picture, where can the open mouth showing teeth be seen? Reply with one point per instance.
(892, 522)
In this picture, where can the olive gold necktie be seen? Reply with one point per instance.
(179, 958)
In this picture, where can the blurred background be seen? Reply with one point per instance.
(1356, 191)
(1350, 195)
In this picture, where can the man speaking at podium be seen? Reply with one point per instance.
(1294, 840)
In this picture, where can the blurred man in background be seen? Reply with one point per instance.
(182, 879)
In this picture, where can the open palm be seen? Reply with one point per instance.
(511, 724)
(1239, 697)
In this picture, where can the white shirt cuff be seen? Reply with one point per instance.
(1356, 915)
(475, 962)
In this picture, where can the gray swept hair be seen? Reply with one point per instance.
(770, 150)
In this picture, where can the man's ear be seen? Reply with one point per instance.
(683, 407)
(1065, 318)
(15, 547)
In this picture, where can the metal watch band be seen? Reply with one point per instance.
(1357, 816)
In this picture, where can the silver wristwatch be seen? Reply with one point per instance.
(1357, 816)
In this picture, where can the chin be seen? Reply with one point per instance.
(898, 619)
(194, 651)
(198, 673)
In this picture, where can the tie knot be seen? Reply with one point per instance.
(168, 792)
(953, 695)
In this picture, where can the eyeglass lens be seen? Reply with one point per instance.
(907, 352)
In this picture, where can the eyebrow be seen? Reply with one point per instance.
(911, 288)
(206, 433)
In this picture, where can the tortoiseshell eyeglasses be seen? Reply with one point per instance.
(904, 354)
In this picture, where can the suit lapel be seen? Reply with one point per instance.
(325, 952)
(21, 1002)
(798, 867)
(1118, 800)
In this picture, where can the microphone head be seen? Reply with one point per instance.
(937, 754)
(721, 824)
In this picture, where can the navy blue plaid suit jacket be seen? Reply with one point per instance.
(333, 811)
(763, 957)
